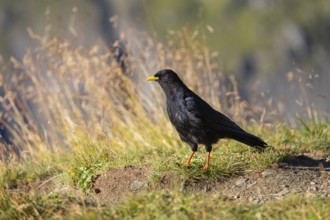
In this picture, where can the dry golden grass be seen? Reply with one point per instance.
(60, 92)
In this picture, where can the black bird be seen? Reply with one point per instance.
(195, 120)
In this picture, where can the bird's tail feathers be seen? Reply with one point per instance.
(249, 139)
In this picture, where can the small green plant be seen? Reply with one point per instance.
(86, 177)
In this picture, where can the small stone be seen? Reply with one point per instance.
(237, 196)
(136, 185)
(283, 165)
(207, 188)
(275, 166)
(97, 190)
(64, 190)
(240, 182)
(267, 172)
(313, 183)
(314, 188)
(184, 186)
(283, 192)
(253, 199)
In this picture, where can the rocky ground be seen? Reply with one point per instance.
(302, 174)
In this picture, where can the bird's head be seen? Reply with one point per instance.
(165, 76)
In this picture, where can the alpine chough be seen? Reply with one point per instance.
(195, 120)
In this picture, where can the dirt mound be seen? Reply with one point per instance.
(118, 183)
(274, 184)
(296, 175)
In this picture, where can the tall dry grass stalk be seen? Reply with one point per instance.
(59, 93)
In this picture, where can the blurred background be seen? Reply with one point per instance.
(262, 43)
(254, 38)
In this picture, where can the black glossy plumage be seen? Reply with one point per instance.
(195, 120)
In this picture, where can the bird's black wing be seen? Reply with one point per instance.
(220, 123)
(200, 109)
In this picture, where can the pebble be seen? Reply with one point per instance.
(237, 196)
(136, 185)
(184, 185)
(64, 190)
(267, 172)
(314, 188)
(253, 199)
(207, 188)
(240, 182)
(283, 192)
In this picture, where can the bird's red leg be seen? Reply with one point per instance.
(207, 164)
(188, 161)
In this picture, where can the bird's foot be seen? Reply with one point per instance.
(187, 165)
(206, 167)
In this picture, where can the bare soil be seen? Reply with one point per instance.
(301, 174)
(118, 183)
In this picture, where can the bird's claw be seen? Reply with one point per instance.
(206, 167)
(187, 165)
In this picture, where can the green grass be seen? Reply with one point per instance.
(228, 158)
(174, 205)
(160, 205)
(78, 168)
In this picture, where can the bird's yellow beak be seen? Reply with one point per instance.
(152, 78)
